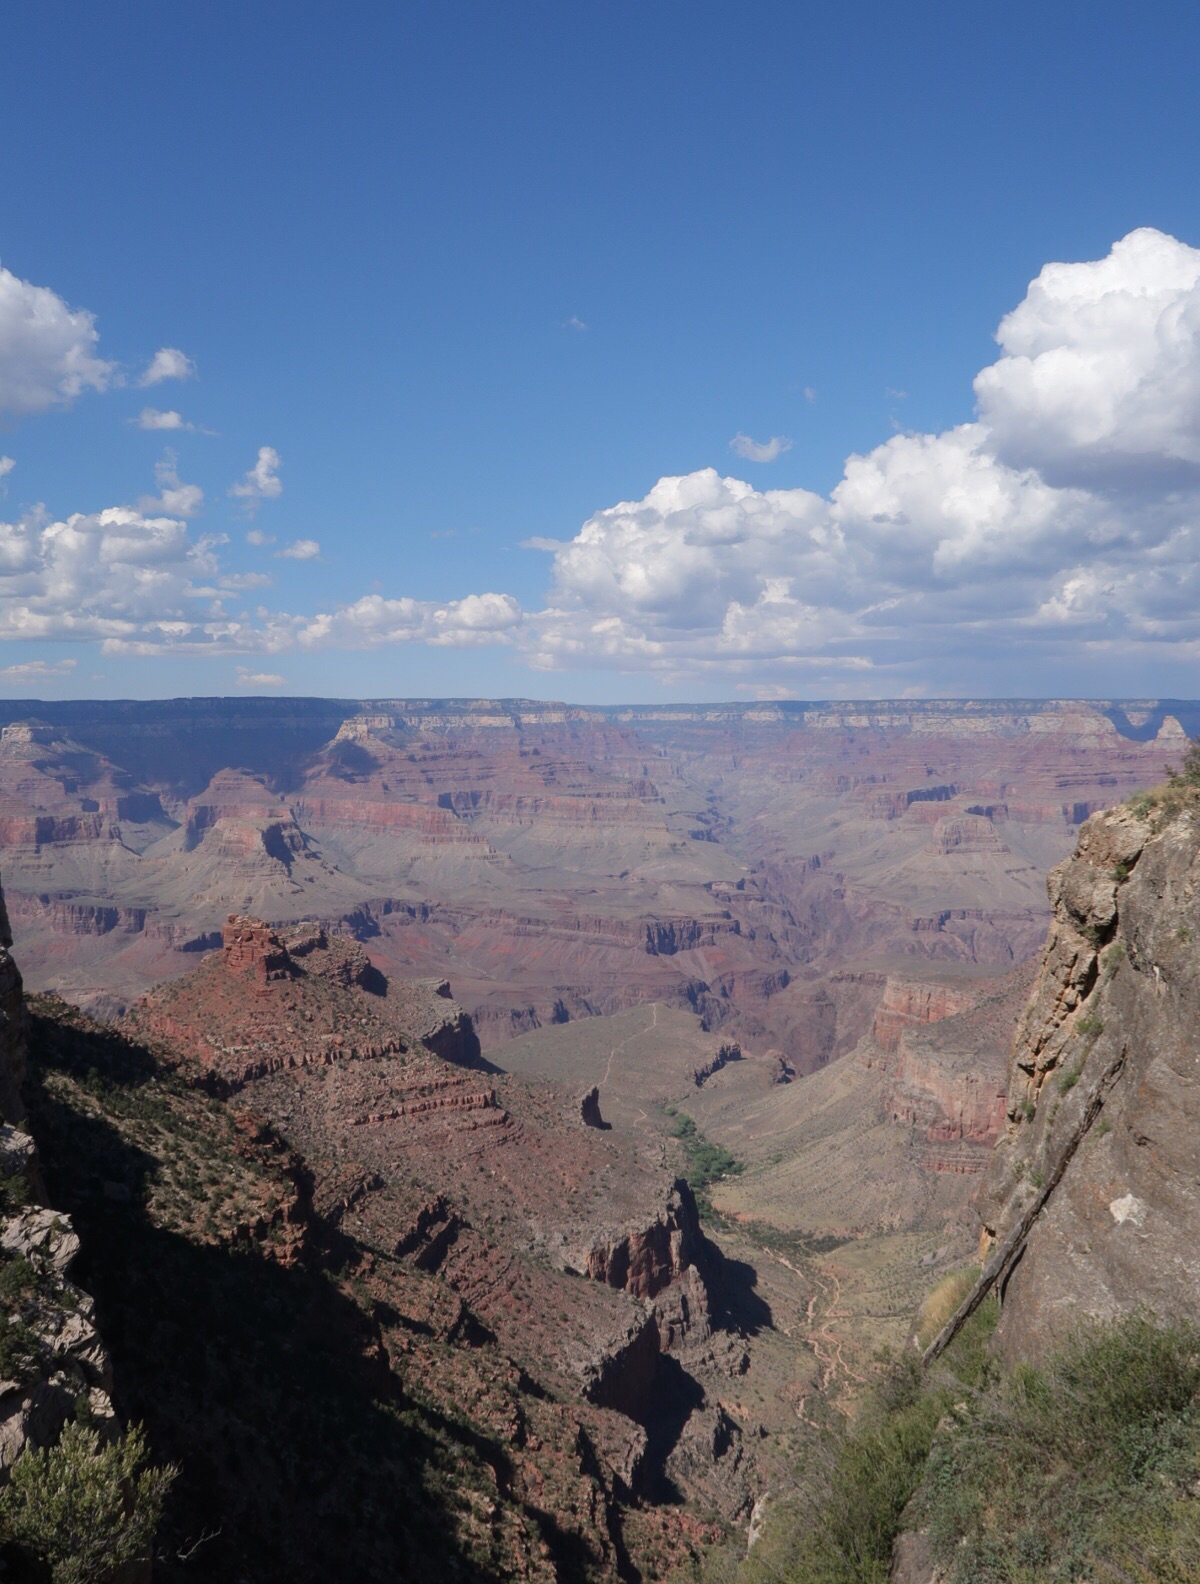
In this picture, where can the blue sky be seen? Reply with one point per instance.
(477, 273)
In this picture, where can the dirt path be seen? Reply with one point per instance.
(823, 1308)
(653, 1025)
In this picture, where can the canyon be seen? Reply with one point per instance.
(555, 862)
(629, 1073)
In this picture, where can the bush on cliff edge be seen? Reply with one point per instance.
(1085, 1468)
(81, 1508)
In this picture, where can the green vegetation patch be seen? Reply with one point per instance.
(1084, 1469)
(1181, 790)
(840, 1529)
(707, 1162)
(83, 1509)
(792, 1242)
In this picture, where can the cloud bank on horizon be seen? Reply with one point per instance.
(1064, 517)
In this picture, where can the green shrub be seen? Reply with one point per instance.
(707, 1162)
(1188, 773)
(1069, 1079)
(83, 1508)
(1080, 1470)
(1084, 1470)
(1180, 790)
(845, 1534)
(19, 1348)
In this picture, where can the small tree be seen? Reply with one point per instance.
(83, 1507)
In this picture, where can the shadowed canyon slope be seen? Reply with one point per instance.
(525, 1267)
(393, 1313)
(760, 865)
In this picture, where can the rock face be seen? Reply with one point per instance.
(908, 1004)
(1100, 1149)
(12, 1025)
(56, 1364)
(645, 1259)
(947, 1077)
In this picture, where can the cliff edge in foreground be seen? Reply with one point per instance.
(1099, 1162)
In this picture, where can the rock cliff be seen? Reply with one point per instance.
(1091, 1203)
(53, 1363)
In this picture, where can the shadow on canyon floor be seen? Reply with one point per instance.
(738, 1305)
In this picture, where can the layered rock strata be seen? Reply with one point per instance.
(562, 862)
(572, 1249)
(1091, 1203)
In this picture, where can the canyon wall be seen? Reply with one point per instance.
(763, 866)
(1091, 1203)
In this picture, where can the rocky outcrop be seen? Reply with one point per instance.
(253, 948)
(54, 1364)
(1091, 1204)
(316, 1000)
(728, 1051)
(969, 833)
(644, 1260)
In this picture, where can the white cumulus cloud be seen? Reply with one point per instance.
(175, 498)
(1063, 522)
(759, 450)
(138, 582)
(47, 350)
(37, 670)
(262, 481)
(168, 363)
(1057, 527)
(1099, 382)
(152, 418)
(96, 575)
(268, 679)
